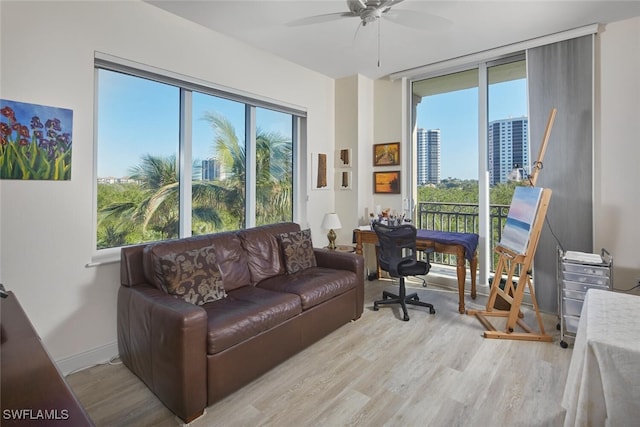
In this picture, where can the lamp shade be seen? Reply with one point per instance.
(331, 221)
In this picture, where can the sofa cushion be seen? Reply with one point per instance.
(151, 251)
(186, 269)
(297, 249)
(232, 260)
(245, 313)
(263, 250)
(313, 285)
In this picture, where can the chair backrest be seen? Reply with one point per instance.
(397, 246)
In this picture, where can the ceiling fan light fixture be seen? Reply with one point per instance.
(370, 15)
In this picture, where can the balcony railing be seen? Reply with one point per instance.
(460, 218)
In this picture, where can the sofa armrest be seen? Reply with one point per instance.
(345, 261)
(162, 339)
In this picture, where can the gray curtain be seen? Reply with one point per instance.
(560, 75)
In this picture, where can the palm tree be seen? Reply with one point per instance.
(157, 215)
(273, 172)
(158, 211)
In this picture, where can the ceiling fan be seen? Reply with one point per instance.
(370, 11)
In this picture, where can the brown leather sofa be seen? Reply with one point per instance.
(193, 355)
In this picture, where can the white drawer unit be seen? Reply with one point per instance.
(577, 273)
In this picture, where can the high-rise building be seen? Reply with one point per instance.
(210, 169)
(508, 148)
(428, 156)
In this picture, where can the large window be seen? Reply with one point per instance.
(176, 159)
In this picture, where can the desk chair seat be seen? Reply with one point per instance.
(397, 256)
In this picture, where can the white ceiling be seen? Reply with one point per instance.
(331, 49)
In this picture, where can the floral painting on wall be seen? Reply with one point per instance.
(36, 141)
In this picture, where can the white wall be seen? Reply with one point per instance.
(617, 149)
(46, 228)
(387, 126)
(346, 120)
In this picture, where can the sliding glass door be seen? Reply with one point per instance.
(470, 131)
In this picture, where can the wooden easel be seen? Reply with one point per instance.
(537, 166)
(509, 261)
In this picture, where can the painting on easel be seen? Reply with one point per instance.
(522, 214)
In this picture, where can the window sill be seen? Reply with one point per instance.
(104, 257)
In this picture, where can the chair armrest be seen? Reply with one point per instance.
(162, 339)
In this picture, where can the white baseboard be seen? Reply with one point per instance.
(87, 359)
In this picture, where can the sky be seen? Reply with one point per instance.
(456, 115)
(24, 113)
(138, 116)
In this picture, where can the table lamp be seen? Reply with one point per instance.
(331, 222)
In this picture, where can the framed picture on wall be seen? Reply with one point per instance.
(36, 141)
(386, 182)
(319, 172)
(343, 158)
(343, 179)
(386, 154)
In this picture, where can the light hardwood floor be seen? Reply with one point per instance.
(435, 370)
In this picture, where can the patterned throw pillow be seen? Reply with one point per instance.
(192, 275)
(298, 250)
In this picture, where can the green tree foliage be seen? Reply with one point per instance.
(273, 172)
(465, 191)
(450, 191)
(148, 208)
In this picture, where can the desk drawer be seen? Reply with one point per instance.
(571, 306)
(591, 270)
(577, 295)
(571, 324)
(586, 278)
(582, 287)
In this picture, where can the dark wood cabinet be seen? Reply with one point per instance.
(33, 392)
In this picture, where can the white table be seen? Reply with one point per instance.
(603, 383)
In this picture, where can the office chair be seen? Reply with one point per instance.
(397, 256)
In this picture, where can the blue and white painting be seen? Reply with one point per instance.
(522, 214)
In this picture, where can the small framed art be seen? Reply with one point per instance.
(319, 173)
(343, 178)
(386, 154)
(386, 182)
(343, 158)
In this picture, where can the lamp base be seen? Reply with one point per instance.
(331, 235)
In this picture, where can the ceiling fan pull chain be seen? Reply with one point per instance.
(379, 41)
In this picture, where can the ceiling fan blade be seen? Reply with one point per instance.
(388, 3)
(418, 20)
(318, 19)
(356, 6)
(355, 34)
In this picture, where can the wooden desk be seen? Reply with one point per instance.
(34, 393)
(367, 236)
